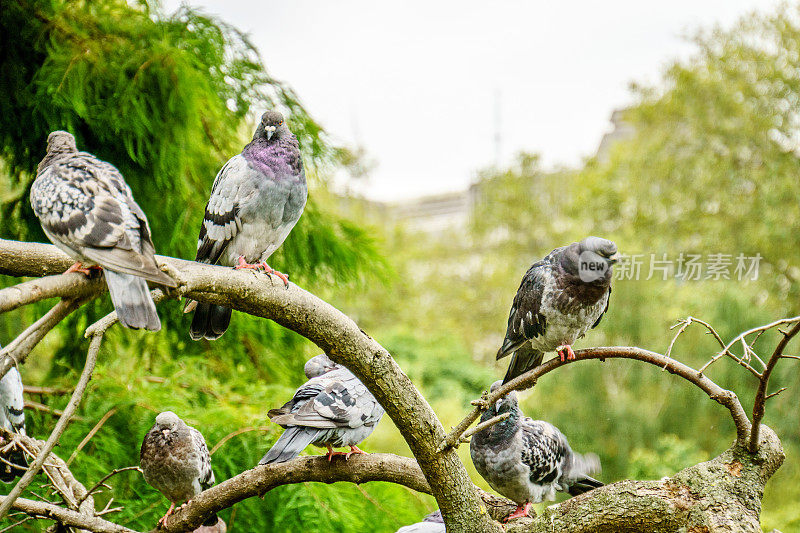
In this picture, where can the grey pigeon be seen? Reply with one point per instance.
(433, 523)
(256, 200)
(560, 298)
(219, 527)
(333, 408)
(87, 210)
(12, 418)
(175, 461)
(528, 460)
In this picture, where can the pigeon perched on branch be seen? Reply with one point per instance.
(87, 210)
(433, 523)
(332, 409)
(175, 461)
(560, 298)
(12, 418)
(528, 460)
(256, 199)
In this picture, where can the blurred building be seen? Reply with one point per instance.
(621, 130)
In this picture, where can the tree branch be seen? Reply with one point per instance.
(761, 393)
(724, 397)
(17, 350)
(64, 516)
(39, 289)
(61, 425)
(336, 334)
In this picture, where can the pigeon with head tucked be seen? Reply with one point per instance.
(433, 523)
(87, 210)
(256, 199)
(332, 409)
(175, 461)
(560, 298)
(528, 460)
(12, 418)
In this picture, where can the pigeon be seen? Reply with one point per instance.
(560, 298)
(175, 461)
(219, 527)
(256, 199)
(12, 418)
(433, 523)
(87, 210)
(333, 408)
(528, 460)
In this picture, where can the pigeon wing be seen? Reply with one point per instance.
(12, 402)
(206, 476)
(525, 321)
(545, 450)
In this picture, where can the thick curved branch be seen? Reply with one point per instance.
(724, 397)
(337, 335)
(261, 479)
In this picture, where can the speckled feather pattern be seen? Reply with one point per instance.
(12, 418)
(175, 461)
(333, 408)
(527, 460)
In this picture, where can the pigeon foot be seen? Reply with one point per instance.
(270, 271)
(522, 510)
(565, 351)
(241, 264)
(78, 267)
(162, 522)
(354, 450)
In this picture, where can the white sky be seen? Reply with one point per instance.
(414, 82)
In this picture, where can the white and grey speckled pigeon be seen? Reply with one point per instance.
(12, 418)
(333, 408)
(560, 298)
(256, 200)
(87, 210)
(528, 460)
(433, 523)
(175, 461)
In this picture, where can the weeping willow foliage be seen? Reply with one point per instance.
(168, 98)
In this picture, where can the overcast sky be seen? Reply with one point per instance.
(416, 83)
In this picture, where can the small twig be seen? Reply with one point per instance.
(15, 524)
(30, 389)
(768, 396)
(229, 436)
(790, 357)
(17, 350)
(49, 410)
(105, 478)
(91, 434)
(480, 427)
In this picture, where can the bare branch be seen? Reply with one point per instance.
(61, 425)
(91, 434)
(74, 284)
(742, 338)
(18, 349)
(480, 427)
(106, 478)
(31, 389)
(724, 397)
(64, 516)
(229, 436)
(761, 392)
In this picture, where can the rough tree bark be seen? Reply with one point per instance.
(721, 495)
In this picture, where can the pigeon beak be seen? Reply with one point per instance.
(497, 404)
(270, 131)
(614, 258)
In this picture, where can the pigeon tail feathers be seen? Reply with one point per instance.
(525, 358)
(132, 301)
(210, 321)
(584, 485)
(9, 473)
(290, 444)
